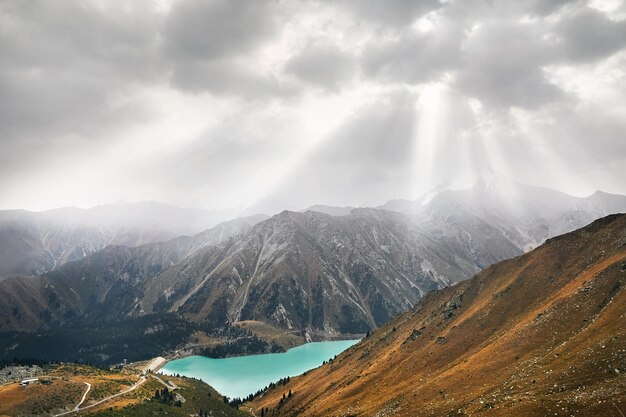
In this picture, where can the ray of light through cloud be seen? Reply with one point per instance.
(262, 106)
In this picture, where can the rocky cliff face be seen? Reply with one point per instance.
(327, 274)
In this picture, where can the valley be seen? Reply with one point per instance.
(544, 324)
(539, 333)
(354, 208)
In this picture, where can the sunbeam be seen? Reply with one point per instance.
(430, 108)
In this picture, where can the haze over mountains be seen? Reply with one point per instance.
(323, 274)
(32, 243)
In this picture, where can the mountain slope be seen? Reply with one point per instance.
(328, 275)
(322, 273)
(540, 334)
(106, 284)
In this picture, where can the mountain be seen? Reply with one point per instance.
(331, 210)
(324, 274)
(32, 243)
(327, 275)
(539, 334)
(105, 284)
(312, 274)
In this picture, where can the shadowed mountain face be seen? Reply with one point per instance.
(33, 243)
(540, 334)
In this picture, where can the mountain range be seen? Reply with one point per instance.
(541, 334)
(325, 274)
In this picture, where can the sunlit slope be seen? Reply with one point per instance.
(541, 334)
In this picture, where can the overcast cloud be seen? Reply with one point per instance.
(263, 105)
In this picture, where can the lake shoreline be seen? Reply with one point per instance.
(240, 376)
(192, 350)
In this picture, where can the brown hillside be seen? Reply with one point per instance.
(543, 334)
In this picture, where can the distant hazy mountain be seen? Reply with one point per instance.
(525, 215)
(333, 274)
(331, 210)
(36, 242)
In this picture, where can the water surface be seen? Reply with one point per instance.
(243, 375)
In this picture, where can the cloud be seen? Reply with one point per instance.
(323, 65)
(229, 77)
(501, 64)
(589, 35)
(547, 7)
(415, 57)
(197, 30)
(392, 13)
(227, 100)
(366, 160)
(69, 75)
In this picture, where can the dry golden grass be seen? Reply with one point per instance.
(37, 399)
(66, 389)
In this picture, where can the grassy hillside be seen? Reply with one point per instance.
(61, 387)
(196, 394)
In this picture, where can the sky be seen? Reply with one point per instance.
(258, 105)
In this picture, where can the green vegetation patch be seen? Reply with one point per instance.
(190, 399)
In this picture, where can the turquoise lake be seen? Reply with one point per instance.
(243, 375)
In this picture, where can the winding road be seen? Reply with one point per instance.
(126, 391)
(82, 400)
(153, 365)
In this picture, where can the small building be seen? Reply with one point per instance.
(28, 381)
